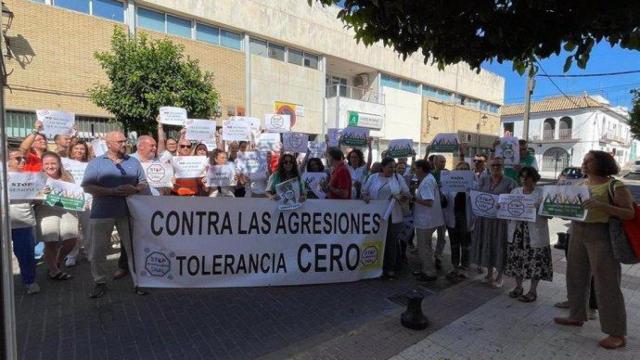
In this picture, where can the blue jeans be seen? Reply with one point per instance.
(23, 247)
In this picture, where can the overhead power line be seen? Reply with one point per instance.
(557, 87)
(589, 75)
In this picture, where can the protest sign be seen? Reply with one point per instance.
(210, 144)
(189, 166)
(253, 165)
(200, 130)
(317, 149)
(221, 175)
(65, 195)
(159, 174)
(445, 143)
(517, 207)
(99, 147)
(26, 185)
(400, 148)
(509, 150)
(484, 204)
(254, 123)
(277, 123)
(354, 136)
(564, 201)
(173, 115)
(326, 241)
(295, 142)
(313, 182)
(56, 122)
(333, 137)
(268, 142)
(75, 168)
(236, 130)
(289, 194)
(456, 180)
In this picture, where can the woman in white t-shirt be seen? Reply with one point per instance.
(428, 216)
(358, 169)
(219, 158)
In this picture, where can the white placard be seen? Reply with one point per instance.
(99, 147)
(200, 130)
(186, 167)
(517, 207)
(289, 194)
(317, 149)
(221, 175)
(268, 142)
(236, 130)
(277, 123)
(313, 182)
(173, 116)
(456, 180)
(159, 174)
(26, 185)
(75, 168)
(400, 148)
(333, 137)
(564, 201)
(56, 122)
(253, 164)
(509, 150)
(484, 204)
(295, 142)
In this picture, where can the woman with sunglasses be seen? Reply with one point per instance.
(286, 170)
(33, 146)
(188, 186)
(489, 243)
(528, 249)
(57, 227)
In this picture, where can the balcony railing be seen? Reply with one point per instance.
(565, 134)
(357, 93)
(548, 134)
(610, 136)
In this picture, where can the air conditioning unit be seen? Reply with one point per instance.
(361, 80)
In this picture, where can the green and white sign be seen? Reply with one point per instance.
(65, 195)
(369, 121)
(354, 136)
(400, 148)
(445, 143)
(564, 201)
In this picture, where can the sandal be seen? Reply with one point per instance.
(516, 293)
(60, 276)
(529, 297)
(568, 322)
(613, 342)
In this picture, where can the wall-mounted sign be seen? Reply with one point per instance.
(370, 121)
(293, 110)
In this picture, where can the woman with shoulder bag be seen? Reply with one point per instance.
(590, 250)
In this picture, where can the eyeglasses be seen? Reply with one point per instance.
(185, 146)
(118, 141)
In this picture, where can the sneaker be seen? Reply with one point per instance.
(98, 290)
(33, 288)
(70, 262)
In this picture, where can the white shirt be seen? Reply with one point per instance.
(379, 187)
(428, 217)
(358, 174)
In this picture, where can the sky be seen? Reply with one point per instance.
(604, 59)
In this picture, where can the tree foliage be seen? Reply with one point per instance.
(634, 120)
(448, 32)
(146, 74)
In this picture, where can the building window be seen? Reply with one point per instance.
(258, 47)
(208, 34)
(310, 61)
(410, 86)
(295, 57)
(75, 5)
(276, 52)
(390, 81)
(108, 9)
(231, 40)
(178, 26)
(151, 20)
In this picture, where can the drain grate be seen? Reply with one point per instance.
(402, 299)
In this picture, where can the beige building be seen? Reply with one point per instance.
(266, 55)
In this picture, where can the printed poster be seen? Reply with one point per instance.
(236, 130)
(173, 116)
(186, 167)
(56, 122)
(289, 195)
(276, 123)
(268, 142)
(68, 196)
(484, 204)
(313, 182)
(253, 164)
(295, 142)
(159, 174)
(520, 207)
(99, 147)
(445, 143)
(564, 201)
(200, 130)
(457, 180)
(509, 150)
(26, 185)
(333, 137)
(400, 148)
(221, 175)
(317, 149)
(75, 168)
(354, 136)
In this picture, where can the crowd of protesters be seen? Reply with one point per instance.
(418, 205)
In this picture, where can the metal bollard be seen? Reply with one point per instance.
(413, 318)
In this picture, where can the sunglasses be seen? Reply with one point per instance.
(185, 146)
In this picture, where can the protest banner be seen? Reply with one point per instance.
(354, 136)
(200, 130)
(159, 174)
(75, 168)
(236, 130)
(564, 201)
(268, 142)
(333, 137)
(253, 164)
(400, 148)
(445, 143)
(99, 147)
(509, 150)
(56, 122)
(172, 116)
(65, 195)
(192, 242)
(317, 149)
(313, 182)
(520, 207)
(456, 180)
(221, 175)
(277, 123)
(484, 204)
(288, 194)
(26, 185)
(189, 166)
(295, 142)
